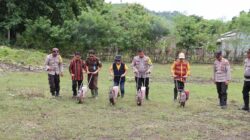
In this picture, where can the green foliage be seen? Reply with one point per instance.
(16, 13)
(92, 30)
(241, 23)
(140, 28)
(193, 31)
(185, 31)
(128, 28)
(83, 24)
(16, 56)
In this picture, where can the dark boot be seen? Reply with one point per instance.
(245, 108)
(52, 93)
(147, 93)
(220, 102)
(93, 93)
(175, 94)
(246, 103)
(96, 92)
(57, 93)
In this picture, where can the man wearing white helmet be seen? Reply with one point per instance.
(180, 71)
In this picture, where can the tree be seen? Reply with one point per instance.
(140, 28)
(196, 32)
(185, 32)
(242, 23)
(15, 13)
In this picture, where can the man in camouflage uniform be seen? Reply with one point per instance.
(93, 66)
(142, 66)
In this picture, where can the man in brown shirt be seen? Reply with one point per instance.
(93, 66)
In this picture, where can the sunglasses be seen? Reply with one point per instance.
(55, 51)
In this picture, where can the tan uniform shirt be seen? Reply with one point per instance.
(141, 66)
(222, 72)
(53, 63)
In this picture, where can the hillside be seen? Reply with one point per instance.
(20, 59)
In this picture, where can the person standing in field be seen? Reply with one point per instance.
(54, 67)
(180, 70)
(142, 67)
(76, 70)
(93, 66)
(119, 70)
(222, 76)
(246, 87)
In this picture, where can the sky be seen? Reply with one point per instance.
(209, 9)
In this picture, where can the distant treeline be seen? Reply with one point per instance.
(80, 25)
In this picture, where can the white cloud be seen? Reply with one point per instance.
(210, 9)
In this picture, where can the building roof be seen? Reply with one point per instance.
(227, 36)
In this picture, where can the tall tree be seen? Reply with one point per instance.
(15, 13)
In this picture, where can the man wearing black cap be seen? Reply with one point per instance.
(76, 69)
(222, 76)
(246, 87)
(119, 70)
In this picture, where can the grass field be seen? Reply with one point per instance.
(28, 112)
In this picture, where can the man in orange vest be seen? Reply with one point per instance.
(180, 71)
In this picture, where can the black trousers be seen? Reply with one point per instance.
(222, 92)
(246, 89)
(76, 84)
(178, 85)
(54, 83)
(142, 81)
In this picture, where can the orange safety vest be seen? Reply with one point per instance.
(180, 69)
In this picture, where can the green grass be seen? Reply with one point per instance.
(21, 56)
(28, 112)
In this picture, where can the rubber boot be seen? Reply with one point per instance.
(96, 93)
(93, 93)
